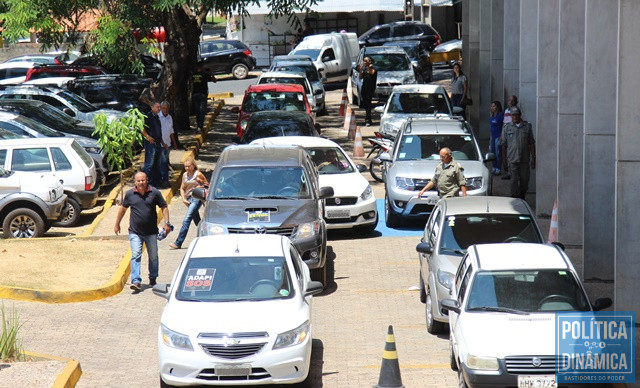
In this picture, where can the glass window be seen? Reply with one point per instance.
(51, 101)
(14, 129)
(309, 70)
(313, 53)
(416, 147)
(380, 33)
(286, 80)
(330, 160)
(390, 62)
(258, 182)
(30, 159)
(463, 285)
(3, 157)
(405, 30)
(259, 101)
(80, 103)
(88, 161)
(60, 161)
(37, 126)
(328, 55)
(418, 103)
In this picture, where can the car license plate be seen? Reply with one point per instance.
(431, 200)
(233, 370)
(542, 381)
(338, 214)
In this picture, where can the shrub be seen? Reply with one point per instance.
(10, 345)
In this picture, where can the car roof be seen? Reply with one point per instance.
(12, 65)
(419, 88)
(518, 256)
(484, 204)
(292, 58)
(303, 141)
(384, 50)
(237, 245)
(282, 74)
(36, 140)
(275, 88)
(440, 124)
(260, 155)
(29, 87)
(403, 43)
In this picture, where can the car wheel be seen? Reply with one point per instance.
(391, 219)
(366, 229)
(70, 213)
(461, 382)
(240, 71)
(452, 360)
(423, 292)
(319, 275)
(433, 326)
(23, 223)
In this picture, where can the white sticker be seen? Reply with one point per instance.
(277, 273)
(408, 140)
(402, 155)
(202, 271)
(467, 138)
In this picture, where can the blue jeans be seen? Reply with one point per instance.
(496, 148)
(151, 241)
(164, 165)
(152, 156)
(200, 104)
(192, 214)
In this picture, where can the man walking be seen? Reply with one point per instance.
(143, 228)
(168, 141)
(448, 178)
(519, 147)
(201, 79)
(153, 145)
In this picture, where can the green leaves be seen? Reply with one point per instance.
(10, 346)
(119, 138)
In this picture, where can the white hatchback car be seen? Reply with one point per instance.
(353, 204)
(238, 313)
(502, 313)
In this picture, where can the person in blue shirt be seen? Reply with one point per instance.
(496, 119)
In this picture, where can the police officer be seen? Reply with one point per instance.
(448, 178)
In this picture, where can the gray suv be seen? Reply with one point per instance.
(269, 190)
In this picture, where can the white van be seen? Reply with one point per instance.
(333, 54)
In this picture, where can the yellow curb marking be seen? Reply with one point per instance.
(69, 376)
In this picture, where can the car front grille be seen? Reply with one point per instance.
(344, 201)
(277, 230)
(234, 335)
(256, 374)
(232, 352)
(525, 365)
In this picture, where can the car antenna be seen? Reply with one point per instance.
(487, 205)
(237, 245)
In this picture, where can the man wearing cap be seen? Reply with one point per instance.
(519, 147)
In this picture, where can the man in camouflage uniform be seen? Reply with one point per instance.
(448, 178)
(519, 149)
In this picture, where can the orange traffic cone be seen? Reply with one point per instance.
(347, 118)
(553, 227)
(352, 128)
(390, 368)
(344, 102)
(358, 148)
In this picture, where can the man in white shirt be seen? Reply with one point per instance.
(169, 140)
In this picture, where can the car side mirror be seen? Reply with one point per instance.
(424, 247)
(451, 305)
(235, 139)
(235, 109)
(489, 156)
(379, 109)
(323, 79)
(361, 168)
(199, 193)
(162, 290)
(69, 112)
(457, 110)
(325, 192)
(384, 157)
(313, 288)
(602, 303)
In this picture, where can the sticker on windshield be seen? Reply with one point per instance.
(467, 138)
(402, 155)
(408, 140)
(277, 273)
(299, 97)
(199, 279)
(452, 221)
(284, 292)
(258, 216)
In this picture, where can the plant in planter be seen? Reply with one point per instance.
(10, 345)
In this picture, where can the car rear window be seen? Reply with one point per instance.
(82, 153)
(262, 182)
(390, 62)
(286, 80)
(309, 70)
(418, 103)
(278, 127)
(259, 101)
(427, 147)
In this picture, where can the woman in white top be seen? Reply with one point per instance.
(459, 87)
(191, 179)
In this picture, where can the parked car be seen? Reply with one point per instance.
(353, 204)
(29, 202)
(63, 158)
(238, 312)
(13, 73)
(414, 160)
(112, 91)
(270, 97)
(332, 53)
(227, 57)
(64, 100)
(418, 53)
(402, 30)
(454, 225)
(393, 67)
(281, 63)
(152, 67)
(281, 77)
(277, 123)
(53, 59)
(6, 135)
(60, 82)
(47, 71)
(269, 190)
(450, 46)
(502, 291)
(413, 101)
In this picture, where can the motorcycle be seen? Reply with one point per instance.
(379, 144)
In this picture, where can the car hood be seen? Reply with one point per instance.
(394, 76)
(283, 212)
(345, 185)
(448, 263)
(424, 169)
(193, 318)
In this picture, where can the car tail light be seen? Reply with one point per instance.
(88, 183)
(247, 52)
(437, 40)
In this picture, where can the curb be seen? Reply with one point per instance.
(119, 278)
(69, 376)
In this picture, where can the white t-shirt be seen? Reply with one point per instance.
(166, 124)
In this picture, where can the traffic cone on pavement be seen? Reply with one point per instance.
(390, 369)
(553, 226)
(358, 148)
(344, 103)
(347, 118)
(352, 128)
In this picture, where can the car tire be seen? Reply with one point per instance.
(240, 71)
(23, 223)
(391, 219)
(461, 382)
(70, 213)
(319, 275)
(423, 292)
(452, 359)
(433, 326)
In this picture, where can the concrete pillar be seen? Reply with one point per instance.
(471, 60)
(601, 52)
(484, 81)
(529, 67)
(571, 122)
(547, 108)
(627, 170)
(511, 69)
(497, 50)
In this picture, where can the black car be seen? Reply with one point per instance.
(419, 55)
(114, 91)
(152, 67)
(277, 123)
(227, 57)
(407, 30)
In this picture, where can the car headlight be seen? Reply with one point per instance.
(445, 278)
(404, 183)
(308, 229)
(174, 339)
(367, 193)
(209, 229)
(243, 124)
(474, 183)
(53, 195)
(482, 363)
(92, 150)
(292, 337)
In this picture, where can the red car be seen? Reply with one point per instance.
(46, 71)
(270, 97)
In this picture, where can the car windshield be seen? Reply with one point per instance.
(546, 290)
(418, 103)
(262, 182)
(460, 231)
(309, 69)
(57, 120)
(330, 160)
(390, 62)
(313, 53)
(78, 102)
(259, 101)
(257, 129)
(37, 126)
(286, 80)
(427, 147)
(230, 279)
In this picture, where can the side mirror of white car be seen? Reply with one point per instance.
(379, 109)
(385, 157)
(451, 305)
(161, 289)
